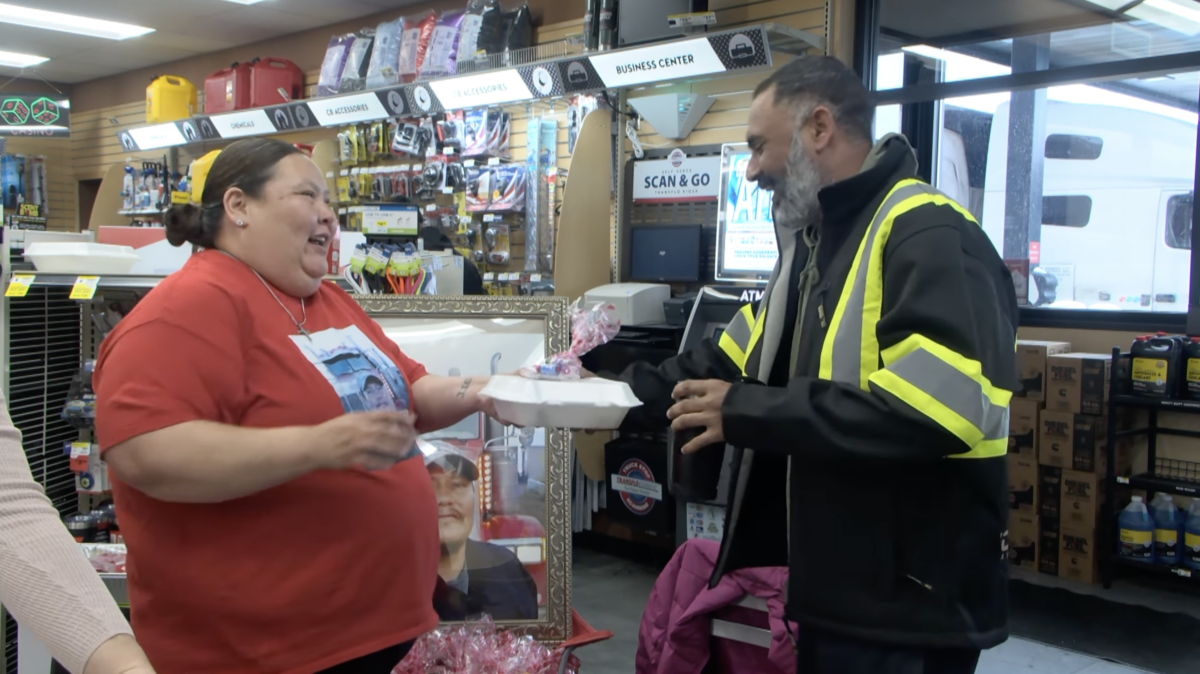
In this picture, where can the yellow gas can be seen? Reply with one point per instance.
(169, 98)
(199, 172)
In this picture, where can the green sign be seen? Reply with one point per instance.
(34, 115)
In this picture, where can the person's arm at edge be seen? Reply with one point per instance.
(929, 285)
(445, 401)
(653, 384)
(209, 462)
(47, 584)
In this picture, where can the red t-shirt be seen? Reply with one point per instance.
(294, 579)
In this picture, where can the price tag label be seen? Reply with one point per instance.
(19, 285)
(447, 190)
(490, 217)
(1122, 480)
(80, 451)
(404, 168)
(469, 163)
(449, 152)
(535, 278)
(181, 198)
(489, 277)
(85, 287)
(494, 161)
(430, 208)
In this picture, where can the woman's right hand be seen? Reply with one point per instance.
(368, 440)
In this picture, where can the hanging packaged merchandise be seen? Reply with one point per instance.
(274, 81)
(498, 240)
(518, 30)
(456, 176)
(334, 63)
(37, 184)
(169, 98)
(432, 178)
(414, 46)
(479, 189)
(385, 58)
(227, 89)
(9, 181)
(442, 58)
(345, 148)
(429, 130)
(533, 153)
(411, 139)
(376, 141)
(80, 408)
(475, 133)
(509, 187)
(499, 133)
(127, 190)
(452, 130)
(354, 74)
(546, 182)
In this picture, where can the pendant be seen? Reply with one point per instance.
(304, 332)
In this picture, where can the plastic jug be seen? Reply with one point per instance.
(169, 98)
(1136, 532)
(1168, 530)
(1191, 369)
(227, 90)
(1191, 536)
(1156, 366)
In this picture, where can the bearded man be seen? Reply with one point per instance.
(866, 401)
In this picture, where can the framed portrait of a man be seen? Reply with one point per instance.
(503, 492)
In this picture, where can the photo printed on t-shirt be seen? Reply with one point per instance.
(365, 379)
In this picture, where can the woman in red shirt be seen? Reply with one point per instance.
(269, 530)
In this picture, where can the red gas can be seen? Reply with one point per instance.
(228, 90)
(271, 74)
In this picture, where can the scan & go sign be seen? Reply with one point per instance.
(677, 178)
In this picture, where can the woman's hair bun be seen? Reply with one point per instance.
(183, 225)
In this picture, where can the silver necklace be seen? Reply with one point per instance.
(303, 308)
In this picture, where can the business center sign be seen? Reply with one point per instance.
(677, 178)
(34, 115)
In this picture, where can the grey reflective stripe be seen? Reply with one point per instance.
(847, 343)
(739, 330)
(958, 392)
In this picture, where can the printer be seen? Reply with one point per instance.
(636, 303)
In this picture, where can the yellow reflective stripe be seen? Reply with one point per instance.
(737, 337)
(851, 351)
(972, 369)
(951, 390)
(757, 333)
(988, 449)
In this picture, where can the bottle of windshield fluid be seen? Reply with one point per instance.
(1137, 532)
(1191, 537)
(1168, 530)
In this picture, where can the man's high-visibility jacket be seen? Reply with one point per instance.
(869, 414)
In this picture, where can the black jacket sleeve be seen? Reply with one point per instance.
(653, 384)
(942, 280)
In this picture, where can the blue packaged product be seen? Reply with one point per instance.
(1136, 532)
(384, 69)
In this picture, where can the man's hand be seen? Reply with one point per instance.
(699, 406)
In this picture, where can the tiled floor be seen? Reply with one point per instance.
(610, 593)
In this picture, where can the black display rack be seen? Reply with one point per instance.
(1171, 476)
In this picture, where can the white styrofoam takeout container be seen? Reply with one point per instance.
(594, 404)
(66, 257)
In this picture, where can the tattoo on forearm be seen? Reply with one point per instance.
(462, 391)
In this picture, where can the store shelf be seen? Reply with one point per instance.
(687, 58)
(142, 213)
(1186, 406)
(1169, 475)
(68, 280)
(1158, 569)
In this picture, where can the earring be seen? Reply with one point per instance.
(241, 223)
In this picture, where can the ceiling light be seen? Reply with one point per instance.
(245, 2)
(1190, 12)
(70, 23)
(15, 60)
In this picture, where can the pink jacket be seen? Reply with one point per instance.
(675, 633)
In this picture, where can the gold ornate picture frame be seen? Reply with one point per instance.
(515, 483)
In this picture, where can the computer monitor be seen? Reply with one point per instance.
(746, 247)
(664, 253)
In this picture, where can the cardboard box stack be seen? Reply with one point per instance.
(1023, 438)
(1071, 464)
